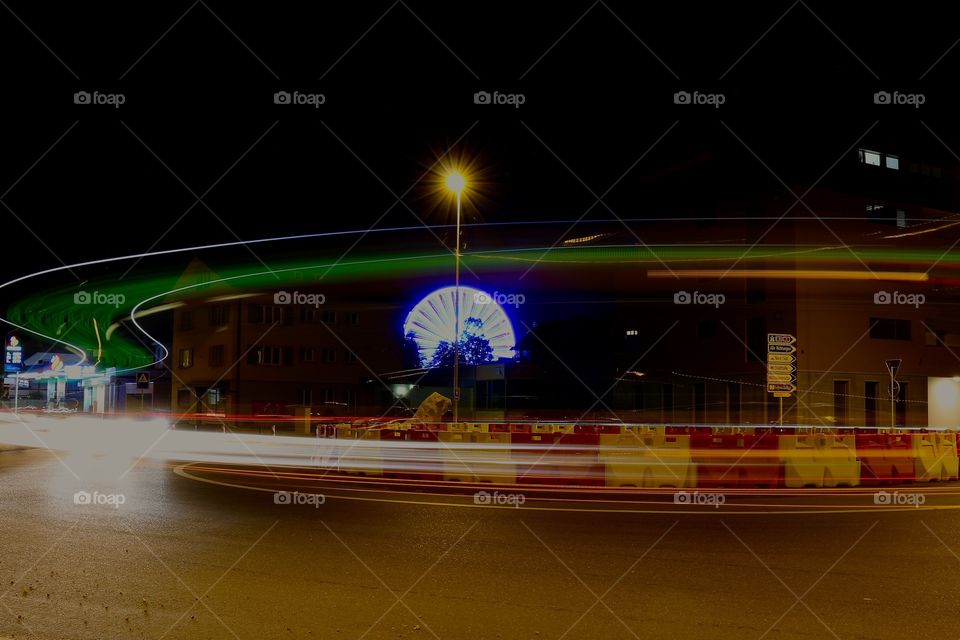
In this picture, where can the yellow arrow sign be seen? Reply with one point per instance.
(780, 368)
(780, 357)
(779, 377)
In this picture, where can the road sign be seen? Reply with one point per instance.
(786, 387)
(143, 380)
(781, 364)
(780, 367)
(893, 366)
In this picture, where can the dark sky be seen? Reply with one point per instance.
(598, 79)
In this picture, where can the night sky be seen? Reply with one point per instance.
(200, 153)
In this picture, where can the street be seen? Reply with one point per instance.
(187, 559)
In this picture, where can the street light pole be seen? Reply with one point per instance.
(456, 322)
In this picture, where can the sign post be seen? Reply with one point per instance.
(13, 363)
(781, 366)
(143, 383)
(893, 366)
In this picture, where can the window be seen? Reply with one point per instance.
(708, 328)
(186, 320)
(353, 318)
(699, 402)
(328, 396)
(330, 317)
(901, 404)
(352, 357)
(870, 157)
(886, 215)
(328, 354)
(901, 218)
(310, 314)
(186, 358)
(270, 356)
(841, 390)
(211, 398)
(889, 329)
(733, 402)
(632, 332)
(184, 397)
(870, 389)
(305, 397)
(216, 356)
(219, 315)
(266, 314)
(350, 397)
(308, 354)
(893, 162)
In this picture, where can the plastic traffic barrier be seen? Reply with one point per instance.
(885, 458)
(597, 428)
(358, 458)
(477, 457)
(553, 458)
(935, 456)
(819, 460)
(737, 460)
(412, 462)
(634, 459)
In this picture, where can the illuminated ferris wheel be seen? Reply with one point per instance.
(432, 322)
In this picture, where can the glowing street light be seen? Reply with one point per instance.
(456, 182)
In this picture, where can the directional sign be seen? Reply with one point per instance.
(781, 357)
(143, 380)
(785, 387)
(781, 364)
(778, 367)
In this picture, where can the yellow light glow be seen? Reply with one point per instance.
(455, 182)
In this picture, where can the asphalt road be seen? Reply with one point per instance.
(183, 558)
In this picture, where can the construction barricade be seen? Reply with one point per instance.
(737, 460)
(482, 456)
(557, 459)
(356, 451)
(819, 460)
(643, 459)
(935, 456)
(885, 458)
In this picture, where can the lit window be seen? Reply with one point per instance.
(632, 332)
(186, 358)
(893, 162)
(870, 157)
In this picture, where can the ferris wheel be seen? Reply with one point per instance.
(432, 321)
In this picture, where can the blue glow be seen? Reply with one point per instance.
(432, 321)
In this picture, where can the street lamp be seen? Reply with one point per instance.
(455, 183)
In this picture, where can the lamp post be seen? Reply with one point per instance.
(455, 183)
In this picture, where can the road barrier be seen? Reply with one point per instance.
(885, 458)
(819, 460)
(635, 459)
(740, 460)
(935, 456)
